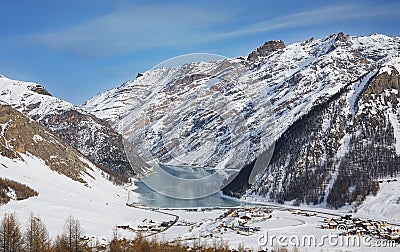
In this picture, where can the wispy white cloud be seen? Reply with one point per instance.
(329, 14)
(134, 28)
(143, 27)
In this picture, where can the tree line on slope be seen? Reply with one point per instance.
(21, 191)
(306, 158)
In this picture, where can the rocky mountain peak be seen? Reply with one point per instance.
(266, 49)
(40, 90)
(342, 37)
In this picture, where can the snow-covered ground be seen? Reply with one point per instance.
(100, 206)
(386, 204)
(283, 222)
(21, 95)
(198, 217)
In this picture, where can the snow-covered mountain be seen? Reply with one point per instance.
(336, 153)
(93, 137)
(313, 98)
(43, 175)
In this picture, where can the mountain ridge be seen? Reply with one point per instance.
(267, 95)
(91, 136)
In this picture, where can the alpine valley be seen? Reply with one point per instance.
(329, 106)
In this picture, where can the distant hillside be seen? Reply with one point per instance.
(92, 136)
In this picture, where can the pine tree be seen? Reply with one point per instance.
(115, 244)
(36, 236)
(10, 234)
(71, 238)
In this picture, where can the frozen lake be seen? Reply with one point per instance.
(151, 196)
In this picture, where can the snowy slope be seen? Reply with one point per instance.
(90, 135)
(66, 181)
(99, 206)
(27, 97)
(386, 204)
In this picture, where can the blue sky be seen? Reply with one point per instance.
(77, 49)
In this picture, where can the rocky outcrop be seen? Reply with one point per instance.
(10, 189)
(342, 37)
(20, 134)
(266, 49)
(385, 81)
(40, 90)
(93, 137)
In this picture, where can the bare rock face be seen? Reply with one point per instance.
(266, 49)
(385, 81)
(40, 90)
(190, 78)
(342, 37)
(93, 137)
(19, 134)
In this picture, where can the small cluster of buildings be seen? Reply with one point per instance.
(238, 220)
(348, 225)
(252, 213)
(150, 226)
(256, 214)
(185, 223)
(305, 213)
